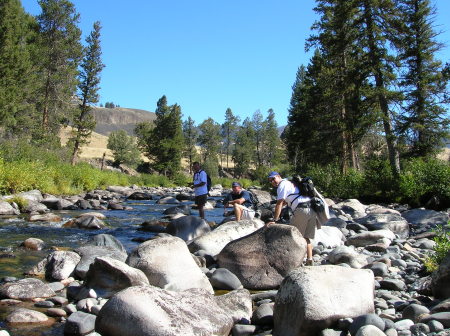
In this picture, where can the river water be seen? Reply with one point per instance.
(123, 224)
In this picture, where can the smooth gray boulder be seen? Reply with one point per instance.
(25, 289)
(168, 264)
(24, 315)
(86, 222)
(353, 207)
(424, 217)
(224, 279)
(7, 209)
(188, 227)
(108, 276)
(347, 255)
(385, 221)
(88, 254)
(329, 236)
(213, 242)
(79, 323)
(370, 237)
(61, 265)
(262, 259)
(311, 299)
(107, 240)
(151, 311)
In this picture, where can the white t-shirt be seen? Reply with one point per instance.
(290, 193)
(198, 178)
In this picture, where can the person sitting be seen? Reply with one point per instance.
(241, 202)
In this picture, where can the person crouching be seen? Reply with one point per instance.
(241, 202)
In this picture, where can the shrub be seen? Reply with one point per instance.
(20, 201)
(440, 250)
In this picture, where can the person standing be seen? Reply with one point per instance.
(200, 188)
(304, 217)
(241, 202)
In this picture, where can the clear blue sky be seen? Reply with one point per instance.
(206, 55)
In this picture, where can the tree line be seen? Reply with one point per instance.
(48, 77)
(374, 86)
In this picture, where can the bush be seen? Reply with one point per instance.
(440, 250)
(20, 201)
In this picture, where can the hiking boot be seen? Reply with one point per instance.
(309, 262)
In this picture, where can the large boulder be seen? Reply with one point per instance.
(329, 236)
(32, 195)
(7, 209)
(151, 311)
(353, 207)
(311, 299)
(179, 209)
(25, 289)
(88, 254)
(423, 217)
(262, 259)
(168, 264)
(347, 255)
(107, 240)
(108, 276)
(213, 242)
(365, 238)
(61, 264)
(188, 227)
(86, 222)
(261, 196)
(441, 279)
(386, 221)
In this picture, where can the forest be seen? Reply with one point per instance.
(368, 114)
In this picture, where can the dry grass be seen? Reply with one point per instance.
(94, 149)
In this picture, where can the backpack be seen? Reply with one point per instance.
(305, 185)
(208, 180)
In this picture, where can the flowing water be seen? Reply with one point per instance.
(122, 224)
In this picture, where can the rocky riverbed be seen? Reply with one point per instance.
(171, 273)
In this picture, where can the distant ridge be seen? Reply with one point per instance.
(113, 119)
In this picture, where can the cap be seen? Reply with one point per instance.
(235, 184)
(272, 174)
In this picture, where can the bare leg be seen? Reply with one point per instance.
(308, 249)
(237, 211)
(201, 211)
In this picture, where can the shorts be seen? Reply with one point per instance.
(305, 220)
(200, 200)
(247, 213)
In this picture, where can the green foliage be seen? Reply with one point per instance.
(440, 250)
(123, 147)
(20, 201)
(226, 182)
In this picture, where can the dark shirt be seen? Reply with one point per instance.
(243, 194)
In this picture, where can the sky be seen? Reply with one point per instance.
(206, 55)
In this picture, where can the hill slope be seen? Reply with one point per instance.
(113, 119)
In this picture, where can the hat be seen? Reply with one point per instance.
(235, 184)
(272, 174)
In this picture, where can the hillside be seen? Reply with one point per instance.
(113, 119)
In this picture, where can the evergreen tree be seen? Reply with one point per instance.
(210, 141)
(190, 133)
(229, 128)
(60, 53)
(243, 152)
(17, 77)
(123, 147)
(424, 84)
(163, 143)
(258, 129)
(271, 143)
(91, 67)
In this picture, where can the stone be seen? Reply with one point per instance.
(213, 242)
(263, 315)
(7, 209)
(79, 323)
(25, 289)
(188, 227)
(415, 312)
(369, 237)
(86, 222)
(224, 279)
(23, 315)
(392, 222)
(108, 276)
(443, 317)
(48, 217)
(347, 255)
(366, 320)
(88, 254)
(423, 217)
(107, 240)
(61, 264)
(353, 207)
(168, 264)
(263, 258)
(441, 279)
(369, 330)
(319, 296)
(35, 244)
(179, 209)
(148, 310)
(329, 237)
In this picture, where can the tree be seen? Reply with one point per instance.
(190, 134)
(229, 128)
(271, 143)
(258, 131)
(17, 76)
(210, 141)
(424, 84)
(60, 54)
(243, 152)
(91, 67)
(163, 143)
(123, 147)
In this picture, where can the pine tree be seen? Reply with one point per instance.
(424, 84)
(271, 143)
(243, 152)
(60, 53)
(123, 147)
(17, 77)
(229, 128)
(190, 133)
(210, 141)
(258, 128)
(91, 67)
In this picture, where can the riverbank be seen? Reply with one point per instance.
(377, 249)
